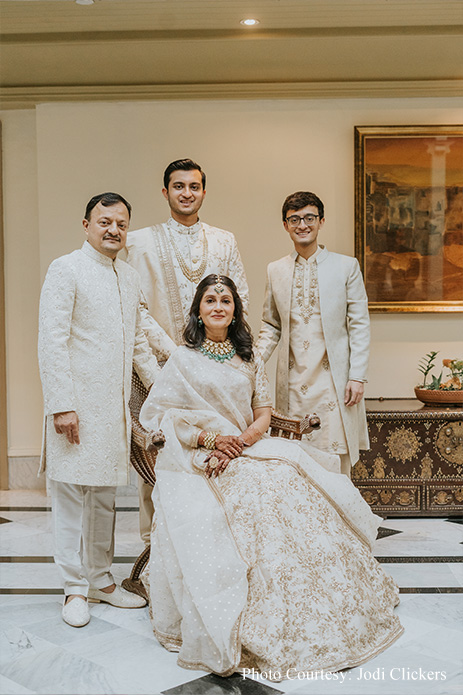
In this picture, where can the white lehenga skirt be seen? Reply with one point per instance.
(316, 597)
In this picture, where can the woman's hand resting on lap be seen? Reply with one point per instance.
(217, 462)
(230, 445)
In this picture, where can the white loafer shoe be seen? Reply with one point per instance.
(119, 598)
(75, 612)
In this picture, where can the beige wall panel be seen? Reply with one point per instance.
(254, 153)
(22, 280)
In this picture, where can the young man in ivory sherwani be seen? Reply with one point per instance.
(89, 337)
(316, 311)
(172, 258)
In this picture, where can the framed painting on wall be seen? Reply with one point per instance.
(409, 216)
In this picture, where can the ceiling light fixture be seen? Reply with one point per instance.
(85, 2)
(250, 22)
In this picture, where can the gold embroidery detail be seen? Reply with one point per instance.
(306, 307)
(449, 442)
(379, 467)
(404, 498)
(442, 498)
(403, 444)
(426, 466)
(359, 471)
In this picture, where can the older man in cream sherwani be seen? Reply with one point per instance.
(172, 258)
(316, 311)
(89, 336)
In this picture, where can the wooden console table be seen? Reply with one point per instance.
(415, 464)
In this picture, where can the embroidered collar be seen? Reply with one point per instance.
(175, 226)
(311, 259)
(96, 255)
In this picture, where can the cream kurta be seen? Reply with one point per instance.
(311, 386)
(345, 324)
(89, 334)
(157, 254)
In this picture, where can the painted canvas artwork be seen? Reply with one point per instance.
(409, 217)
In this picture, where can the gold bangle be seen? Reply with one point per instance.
(209, 440)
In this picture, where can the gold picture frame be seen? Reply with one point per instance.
(409, 216)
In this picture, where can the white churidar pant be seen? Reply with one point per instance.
(83, 518)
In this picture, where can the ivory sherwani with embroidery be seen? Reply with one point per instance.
(316, 311)
(89, 334)
(171, 260)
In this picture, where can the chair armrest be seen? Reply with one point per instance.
(147, 439)
(292, 428)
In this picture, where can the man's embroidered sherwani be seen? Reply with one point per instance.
(154, 252)
(327, 291)
(89, 336)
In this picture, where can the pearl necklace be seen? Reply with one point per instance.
(218, 351)
(193, 276)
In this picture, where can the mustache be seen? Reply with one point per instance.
(114, 237)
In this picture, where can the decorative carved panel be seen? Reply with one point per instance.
(415, 464)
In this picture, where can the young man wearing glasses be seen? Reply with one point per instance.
(316, 311)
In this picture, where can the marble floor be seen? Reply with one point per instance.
(118, 654)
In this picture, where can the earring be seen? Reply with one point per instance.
(200, 321)
(233, 321)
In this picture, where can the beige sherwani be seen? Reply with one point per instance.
(345, 323)
(158, 252)
(89, 335)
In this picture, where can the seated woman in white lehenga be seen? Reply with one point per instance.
(260, 557)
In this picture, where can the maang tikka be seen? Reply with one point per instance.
(218, 285)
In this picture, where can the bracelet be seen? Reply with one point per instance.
(209, 440)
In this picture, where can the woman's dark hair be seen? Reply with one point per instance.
(239, 332)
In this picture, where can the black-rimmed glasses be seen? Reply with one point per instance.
(295, 220)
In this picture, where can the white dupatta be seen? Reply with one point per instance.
(197, 575)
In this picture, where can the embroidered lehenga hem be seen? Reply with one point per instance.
(173, 645)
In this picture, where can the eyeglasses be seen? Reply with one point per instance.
(295, 220)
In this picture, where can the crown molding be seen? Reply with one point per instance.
(88, 37)
(29, 97)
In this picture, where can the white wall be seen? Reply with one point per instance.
(254, 154)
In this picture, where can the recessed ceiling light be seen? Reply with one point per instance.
(249, 22)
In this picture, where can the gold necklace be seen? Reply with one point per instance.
(194, 276)
(218, 351)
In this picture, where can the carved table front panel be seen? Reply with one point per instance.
(415, 464)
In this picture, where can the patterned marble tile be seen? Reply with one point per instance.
(45, 575)
(9, 687)
(422, 575)
(118, 654)
(214, 685)
(16, 642)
